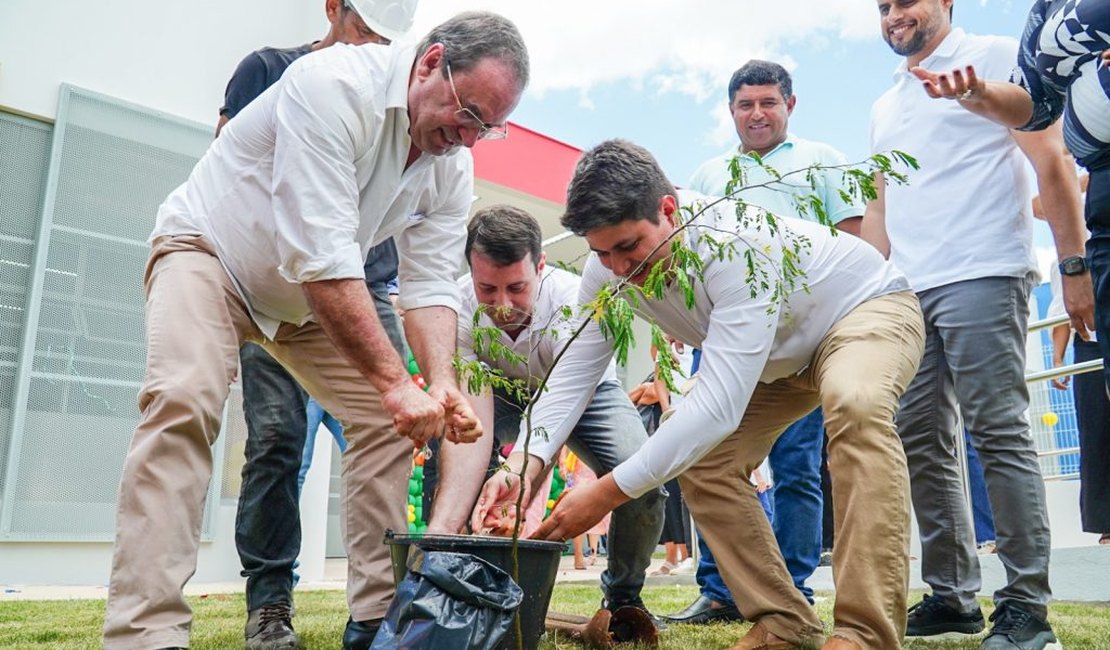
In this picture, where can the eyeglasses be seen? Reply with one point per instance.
(472, 121)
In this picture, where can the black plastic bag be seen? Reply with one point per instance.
(449, 601)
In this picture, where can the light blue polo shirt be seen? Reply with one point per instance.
(794, 153)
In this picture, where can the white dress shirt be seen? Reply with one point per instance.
(742, 344)
(311, 174)
(543, 338)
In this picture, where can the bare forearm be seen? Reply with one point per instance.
(1059, 192)
(431, 331)
(344, 309)
(873, 229)
(851, 225)
(1060, 336)
(462, 471)
(1006, 103)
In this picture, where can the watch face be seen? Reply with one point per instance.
(1073, 265)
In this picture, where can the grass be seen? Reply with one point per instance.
(75, 624)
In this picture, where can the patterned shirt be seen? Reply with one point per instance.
(1059, 65)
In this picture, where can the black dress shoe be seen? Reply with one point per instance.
(360, 634)
(702, 611)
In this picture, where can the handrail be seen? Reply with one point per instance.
(1051, 321)
(1062, 371)
(1052, 373)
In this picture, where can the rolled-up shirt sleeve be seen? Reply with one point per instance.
(835, 187)
(575, 377)
(431, 248)
(737, 345)
(321, 126)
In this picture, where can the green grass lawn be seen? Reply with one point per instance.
(75, 625)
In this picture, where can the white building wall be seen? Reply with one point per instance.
(172, 56)
(176, 58)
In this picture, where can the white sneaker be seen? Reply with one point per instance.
(684, 568)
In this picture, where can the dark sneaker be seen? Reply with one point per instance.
(358, 635)
(934, 619)
(1016, 629)
(270, 627)
(638, 604)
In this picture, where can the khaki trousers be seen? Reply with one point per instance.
(195, 324)
(857, 376)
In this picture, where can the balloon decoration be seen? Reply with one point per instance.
(415, 508)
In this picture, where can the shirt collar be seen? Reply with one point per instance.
(788, 143)
(946, 50)
(397, 93)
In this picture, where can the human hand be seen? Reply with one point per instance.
(645, 394)
(579, 510)
(415, 414)
(1079, 302)
(962, 85)
(463, 425)
(1061, 383)
(496, 512)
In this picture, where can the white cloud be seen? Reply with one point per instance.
(689, 47)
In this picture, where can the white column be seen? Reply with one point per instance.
(314, 509)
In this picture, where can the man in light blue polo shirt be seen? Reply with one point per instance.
(761, 99)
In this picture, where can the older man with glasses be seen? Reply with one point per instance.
(265, 243)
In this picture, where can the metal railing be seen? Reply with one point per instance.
(1053, 373)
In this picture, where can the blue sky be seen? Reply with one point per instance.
(836, 81)
(656, 72)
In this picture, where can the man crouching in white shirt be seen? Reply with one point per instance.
(848, 336)
(511, 293)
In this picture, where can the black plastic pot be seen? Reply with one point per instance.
(539, 564)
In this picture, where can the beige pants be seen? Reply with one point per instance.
(195, 324)
(858, 374)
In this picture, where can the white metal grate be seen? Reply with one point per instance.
(76, 371)
(24, 157)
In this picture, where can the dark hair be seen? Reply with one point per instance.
(505, 234)
(472, 36)
(614, 181)
(761, 73)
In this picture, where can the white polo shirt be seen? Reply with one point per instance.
(311, 174)
(965, 214)
(543, 338)
(741, 343)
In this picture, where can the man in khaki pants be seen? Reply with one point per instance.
(847, 336)
(265, 242)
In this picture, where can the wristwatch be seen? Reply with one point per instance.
(1073, 265)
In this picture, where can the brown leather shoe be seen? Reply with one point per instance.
(759, 638)
(840, 643)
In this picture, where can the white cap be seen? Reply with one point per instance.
(389, 18)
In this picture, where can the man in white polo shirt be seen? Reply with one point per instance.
(849, 339)
(265, 242)
(961, 230)
(510, 289)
